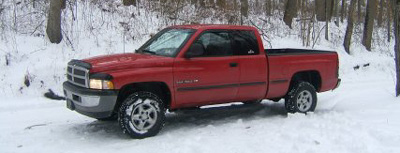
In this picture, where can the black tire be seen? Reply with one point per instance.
(302, 98)
(141, 115)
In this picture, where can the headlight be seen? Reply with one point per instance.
(100, 84)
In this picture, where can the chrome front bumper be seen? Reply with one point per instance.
(90, 102)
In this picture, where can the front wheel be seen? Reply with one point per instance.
(302, 98)
(142, 115)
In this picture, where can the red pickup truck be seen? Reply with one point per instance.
(189, 66)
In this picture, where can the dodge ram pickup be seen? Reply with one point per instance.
(189, 66)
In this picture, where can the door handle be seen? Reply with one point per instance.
(233, 64)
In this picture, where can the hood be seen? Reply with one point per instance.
(126, 61)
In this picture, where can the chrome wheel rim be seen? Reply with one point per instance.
(304, 101)
(144, 115)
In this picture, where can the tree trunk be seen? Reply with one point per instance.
(319, 9)
(396, 25)
(268, 8)
(244, 7)
(328, 16)
(336, 11)
(329, 9)
(53, 29)
(389, 23)
(128, 2)
(202, 3)
(221, 4)
(63, 4)
(343, 11)
(211, 3)
(369, 24)
(350, 27)
(380, 13)
(290, 12)
(359, 4)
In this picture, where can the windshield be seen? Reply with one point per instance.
(166, 42)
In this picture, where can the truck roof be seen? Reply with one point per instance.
(214, 26)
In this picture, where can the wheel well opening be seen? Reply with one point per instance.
(312, 77)
(159, 88)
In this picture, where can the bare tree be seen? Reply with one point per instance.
(128, 2)
(290, 12)
(211, 3)
(329, 4)
(202, 3)
(389, 21)
(268, 7)
(359, 10)
(380, 12)
(327, 19)
(63, 4)
(396, 24)
(320, 9)
(343, 11)
(221, 4)
(369, 24)
(244, 7)
(335, 12)
(350, 27)
(53, 29)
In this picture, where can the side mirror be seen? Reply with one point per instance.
(195, 50)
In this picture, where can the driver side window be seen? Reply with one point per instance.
(215, 43)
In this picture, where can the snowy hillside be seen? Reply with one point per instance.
(360, 116)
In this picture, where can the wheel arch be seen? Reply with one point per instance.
(159, 88)
(311, 76)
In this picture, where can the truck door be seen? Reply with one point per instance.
(210, 77)
(253, 66)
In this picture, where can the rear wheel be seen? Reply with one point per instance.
(142, 115)
(302, 98)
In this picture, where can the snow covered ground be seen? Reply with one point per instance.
(360, 116)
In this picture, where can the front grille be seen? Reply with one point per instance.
(78, 75)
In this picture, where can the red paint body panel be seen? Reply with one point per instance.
(211, 80)
(284, 67)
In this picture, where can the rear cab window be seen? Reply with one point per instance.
(218, 43)
(245, 42)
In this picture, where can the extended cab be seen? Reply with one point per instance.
(195, 65)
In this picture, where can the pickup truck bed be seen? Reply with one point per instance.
(285, 63)
(291, 51)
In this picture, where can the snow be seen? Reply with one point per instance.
(362, 115)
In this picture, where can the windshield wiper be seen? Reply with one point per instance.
(148, 51)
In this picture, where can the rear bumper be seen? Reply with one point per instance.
(337, 84)
(90, 102)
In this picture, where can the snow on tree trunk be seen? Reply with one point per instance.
(53, 29)
(369, 24)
